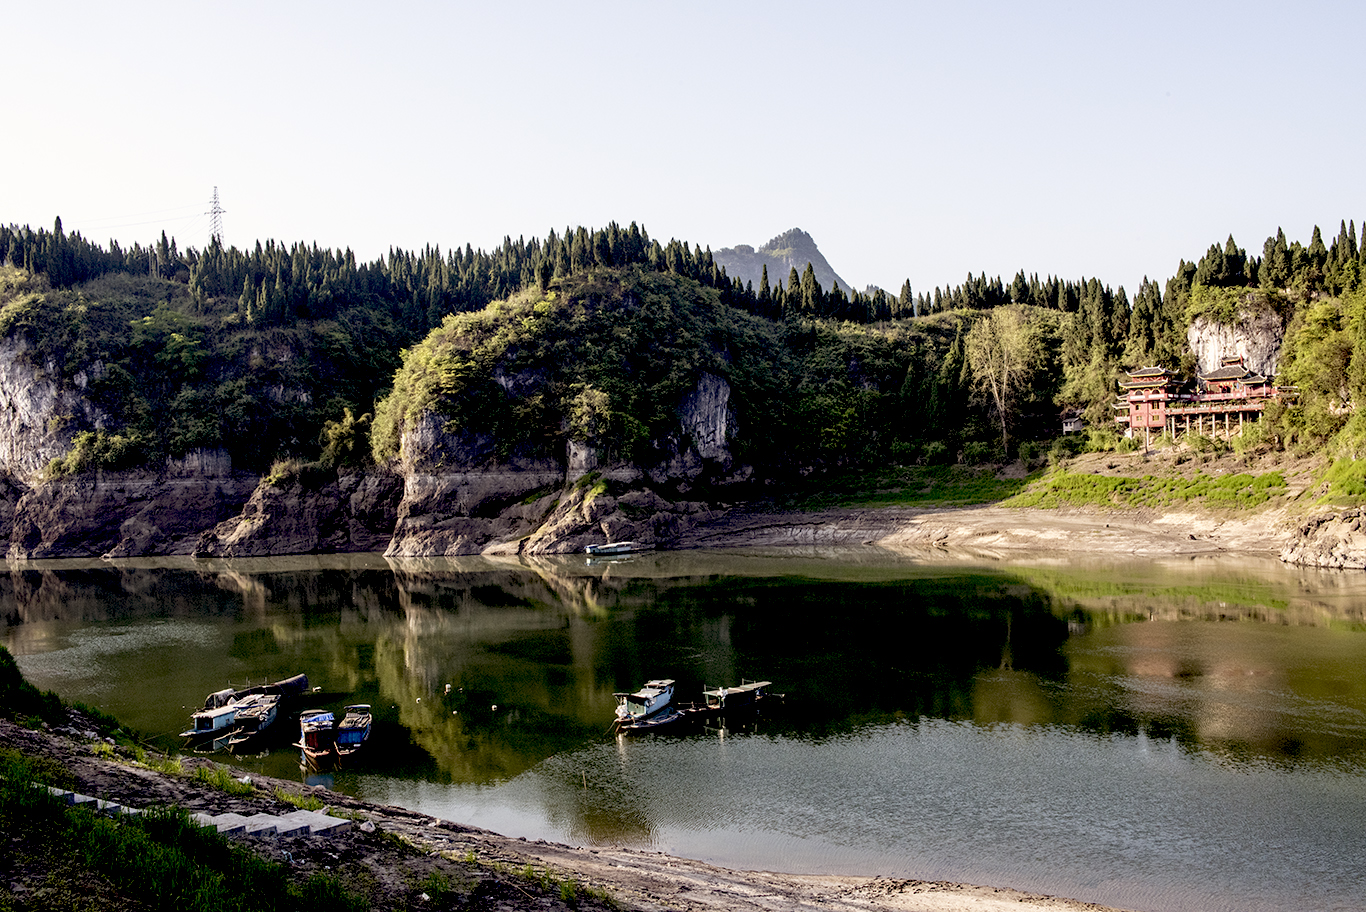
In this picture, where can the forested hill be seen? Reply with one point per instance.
(279, 350)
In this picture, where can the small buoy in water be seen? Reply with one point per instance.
(495, 707)
(448, 688)
(419, 699)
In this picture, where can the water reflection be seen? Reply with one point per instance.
(490, 665)
(1099, 730)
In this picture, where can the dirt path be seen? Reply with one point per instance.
(488, 870)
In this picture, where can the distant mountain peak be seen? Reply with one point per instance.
(792, 249)
(791, 239)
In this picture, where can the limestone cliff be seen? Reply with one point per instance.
(1256, 336)
(459, 497)
(311, 513)
(40, 411)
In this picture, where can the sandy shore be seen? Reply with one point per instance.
(1001, 532)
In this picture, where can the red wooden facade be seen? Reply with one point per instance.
(1154, 400)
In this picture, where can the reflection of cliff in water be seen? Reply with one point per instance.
(533, 648)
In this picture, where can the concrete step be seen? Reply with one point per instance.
(289, 824)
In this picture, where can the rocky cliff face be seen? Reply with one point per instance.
(128, 514)
(1256, 337)
(39, 414)
(327, 514)
(459, 498)
(451, 495)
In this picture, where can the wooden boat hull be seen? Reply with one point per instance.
(669, 717)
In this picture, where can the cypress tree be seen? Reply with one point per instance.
(906, 301)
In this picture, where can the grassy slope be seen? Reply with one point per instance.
(1172, 478)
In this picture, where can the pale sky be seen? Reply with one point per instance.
(912, 140)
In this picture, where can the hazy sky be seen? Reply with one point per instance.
(912, 140)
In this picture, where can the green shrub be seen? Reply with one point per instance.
(20, 700)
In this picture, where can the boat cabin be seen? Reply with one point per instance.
(650, 699)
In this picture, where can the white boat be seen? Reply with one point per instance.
(625, 547)
(217, 721)
(654, 697)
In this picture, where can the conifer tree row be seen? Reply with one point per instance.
(277, 284)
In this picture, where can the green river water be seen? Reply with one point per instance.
(1155, 735)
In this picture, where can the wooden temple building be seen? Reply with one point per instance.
(1154, 401)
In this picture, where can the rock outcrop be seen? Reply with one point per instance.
(460, 497)
(129, 514)
(312, 513)
(452, 494)
(1256, 337)
(1331, 540)
(792, 249)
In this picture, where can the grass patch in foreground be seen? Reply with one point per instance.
(161, 859)
(221, 779)
(1062, 488)
(929, 486)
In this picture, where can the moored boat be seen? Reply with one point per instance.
(217, 720)
(668, 716)
(222, 708)
(317, 737)
(653, 698)
(253, 720)
(625, 547)
(353, 730)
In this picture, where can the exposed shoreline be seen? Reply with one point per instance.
(635, 879)
(996, 532)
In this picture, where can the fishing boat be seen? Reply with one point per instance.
(671, 715)
(625, 547)
(353, 730)
(317, 737)
(219, 717)
(653, 698)
(252, 721)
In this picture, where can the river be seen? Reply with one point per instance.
(1154, 735)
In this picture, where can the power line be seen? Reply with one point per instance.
(178, 218)
(115, 218)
